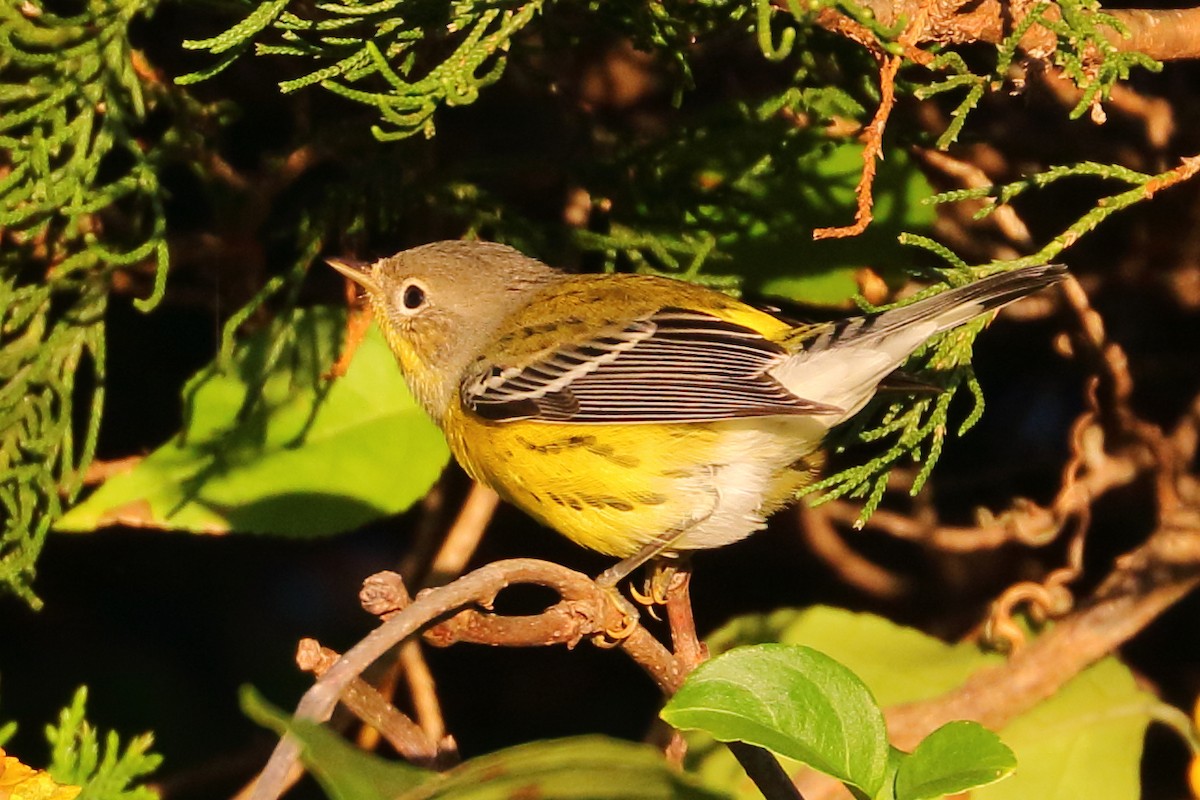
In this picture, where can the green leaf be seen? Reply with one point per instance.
(81, 756)
(344, 771)
(792, 700)
(270, 445)
(899, 664)
(1085, 741)
(956, 757)
(579, 768)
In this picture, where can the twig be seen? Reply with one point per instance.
(464, 535)
(690, 652)
(99, 471)
(368, 705)
(765, 770)
(760, 765)
(458, 545)
(592, 612)
(872, 136)
(872, 139)
(1004, 217)
(823, 539)
(422, 688)
(358, 321)
(1145, 582)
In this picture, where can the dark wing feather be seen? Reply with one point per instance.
(674, 366)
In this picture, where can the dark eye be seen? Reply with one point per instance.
(413, 297)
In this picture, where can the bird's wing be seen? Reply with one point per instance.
(672, 366)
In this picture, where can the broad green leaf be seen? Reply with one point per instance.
(899, 664)
(580, 768)
(792, 700)
(956, 757)
(1085, 742)
(344, 771)
(304, 455)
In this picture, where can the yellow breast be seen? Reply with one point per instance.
(616, 488)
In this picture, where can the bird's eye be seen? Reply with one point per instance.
(412, 296)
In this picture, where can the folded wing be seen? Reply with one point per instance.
(673, 366)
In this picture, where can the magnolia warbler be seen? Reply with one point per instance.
(638, 415)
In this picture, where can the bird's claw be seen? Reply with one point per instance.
(615, 633)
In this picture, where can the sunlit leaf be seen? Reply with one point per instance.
(792, 700)
(1085, 741)
(579, 768)
(954, 758)
(272, 446)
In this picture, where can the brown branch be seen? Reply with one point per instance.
(565, 623)
(762, 767)
(372, 708)
(872, 138)
(1145, 582)
(1004, 217)
(1025, 522)
(463, 538)
(422, 689)
(823, 539)
(101, 470)
(690, 651)
(587, 610)
(1162, 34)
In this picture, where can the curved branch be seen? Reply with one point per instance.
(1145, 583)
(595, 609)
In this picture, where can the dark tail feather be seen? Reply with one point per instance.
(946, 310)
(953, 307)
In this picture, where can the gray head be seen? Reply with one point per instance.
(439, 305)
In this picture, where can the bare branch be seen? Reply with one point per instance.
(586, 610)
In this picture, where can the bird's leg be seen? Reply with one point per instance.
(623, 568)
(664, 543)
(657, 583)
(661, 547)
(620, 571)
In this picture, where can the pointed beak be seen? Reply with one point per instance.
(357, 271)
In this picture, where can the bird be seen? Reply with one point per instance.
(638, 415)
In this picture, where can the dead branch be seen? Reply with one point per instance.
(1144, 583)
(872, 139)
(1162, 34)
(586, 610)
(368, 705)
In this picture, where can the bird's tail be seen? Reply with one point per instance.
(841, 363)
(943, 311)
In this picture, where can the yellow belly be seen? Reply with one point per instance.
(616, 488)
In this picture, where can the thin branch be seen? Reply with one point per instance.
(872, 138)
(592, 613)
(1162, 34)
(823, 539)
(761, 766)
(464, 535)
(1145, 582)
(372, 708)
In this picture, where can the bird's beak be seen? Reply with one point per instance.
(356, 271)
